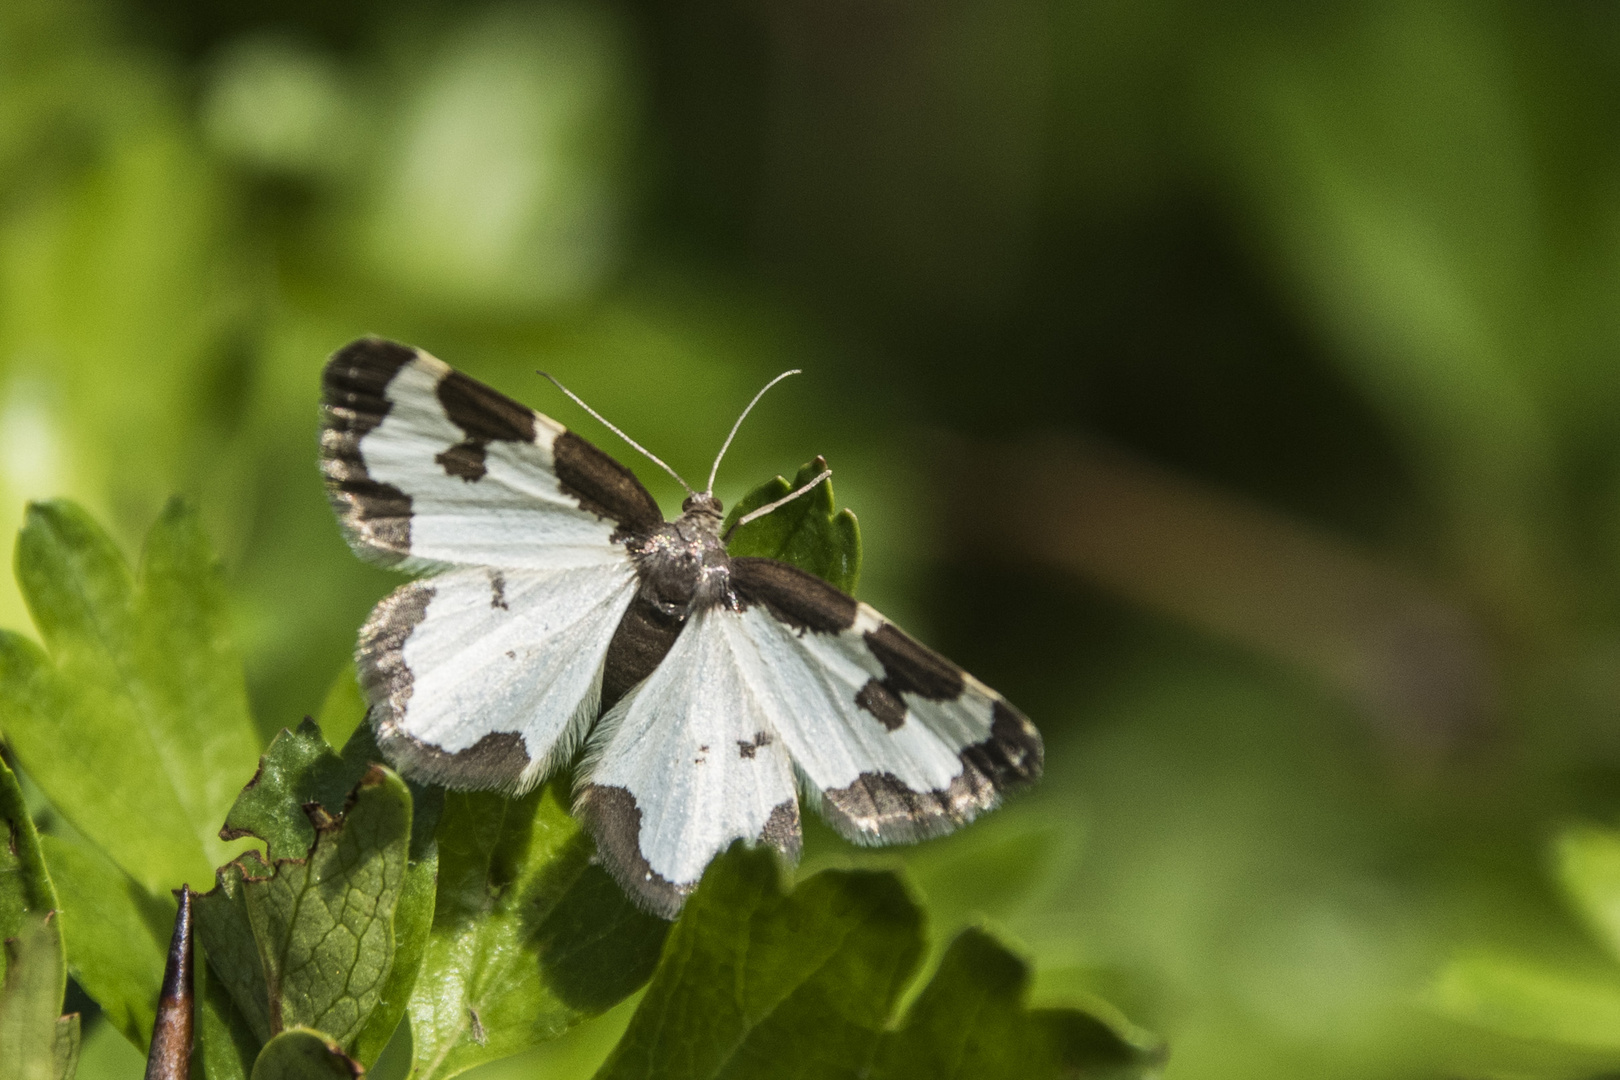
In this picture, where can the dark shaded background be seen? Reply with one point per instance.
(1236, 388)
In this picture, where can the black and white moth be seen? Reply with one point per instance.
(557, 608)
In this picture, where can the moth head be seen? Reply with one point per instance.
(702, 502)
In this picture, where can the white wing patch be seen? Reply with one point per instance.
(472, 501)
(811, 682)
(484, 678)
(686, 764)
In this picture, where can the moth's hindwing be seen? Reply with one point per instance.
(481, 678)
(428, 467)
(897, 742)
(684, 765)
(891, 740)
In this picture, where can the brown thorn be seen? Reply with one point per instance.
(170, 1057)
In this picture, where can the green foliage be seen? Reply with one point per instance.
(303, 1054)
(310, 941)
(529, 935)
(27, 895)
(35, 1042)
(1575, 1010)
(756, 981)
(117, 934)
(807, 532)
(300, 768)
(139, 677)
(971, 1021)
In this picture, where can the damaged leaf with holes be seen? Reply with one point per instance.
(310, 940)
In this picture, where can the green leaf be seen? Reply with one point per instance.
(970, 1022)
(140, 680)
(529, 936)
(759, 982)
(31, 1002)
(299, 768)
(1530, 1001)
(225, 931)
(322, 925)
(806, 532)
(756, 982)
(65, 1047)
(344, 708)
(413, 914)
(1587, 860)
(303, 1054)
(225, 1046)
(117, 934)
(27, 895)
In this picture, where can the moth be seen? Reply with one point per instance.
(558, 608)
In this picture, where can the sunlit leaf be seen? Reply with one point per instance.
(413, 914)
(140, 679)
(31, 1003)
(529, 935)
(117, 934)
(225, 931)
(322, 925)
(1531, 1001)
(1588, 865)
(806, 532)
(299, 768)
(26, 893)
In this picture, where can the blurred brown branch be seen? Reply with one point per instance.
(1416, 664)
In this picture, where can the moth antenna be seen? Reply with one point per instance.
(768, 507)
(727, 445)
(650, 456)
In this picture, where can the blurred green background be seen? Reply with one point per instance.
(1236, 387)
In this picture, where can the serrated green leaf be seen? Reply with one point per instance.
(325, 924)
(529, 936)
(299, 768)
(141, 680)
(225, 931)
(759, 982)
(1587, 860)
(117, 934)
(311, 941)
(299, 771)
(413, 914)
(31, 1002)
(27, 894)
(807, 532)
(970, 1022)
(303, 1054)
